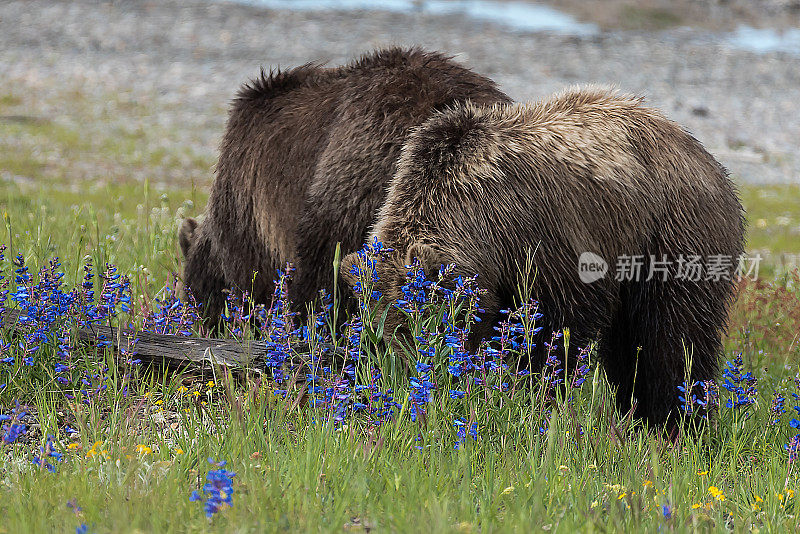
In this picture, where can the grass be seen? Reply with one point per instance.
(135, 458)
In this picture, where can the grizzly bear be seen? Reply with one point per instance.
(305, 163)
(588, 171)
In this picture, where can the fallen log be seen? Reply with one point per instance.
(178, 351)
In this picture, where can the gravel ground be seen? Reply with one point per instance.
(172, 66)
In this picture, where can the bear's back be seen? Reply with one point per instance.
(584, 169)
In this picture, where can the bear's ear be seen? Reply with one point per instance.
(428, 258)
(186, 235)
(346, 268)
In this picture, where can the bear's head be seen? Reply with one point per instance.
(389, 272)
(202, 273)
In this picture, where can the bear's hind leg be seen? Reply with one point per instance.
(665, 332)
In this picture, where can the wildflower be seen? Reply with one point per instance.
(143, 450)
(702, 473)
(793, 448)
(777, 408)
(179, 451)
(97, 450)
(218, 489)
(794, 423)
(742, 385)
(45, 452)
(13, 429)
(647, 483)
(172, 316)
(581, 369)
(716, 493)
(666, 510)
(687, 399)
(73, 446)
(72, 504)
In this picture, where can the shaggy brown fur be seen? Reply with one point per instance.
(305, 163)
(586, 171)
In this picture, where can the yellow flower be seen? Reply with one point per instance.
(595, 504)
(178, 451)
(73, 446)
(210, 383)
(789, 493)
(758, 499)
(702, 473)
(196, 393)
(696, 505)
(621, 496)
(159, 402)
(143, 449)
(716, 493)
(95, 450)
(183, 389)
(647, 483)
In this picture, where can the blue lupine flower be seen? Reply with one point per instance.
(793, 448)
(777, 408)
(742, 385)
(48, 451)
(218, 489)
(13, 429)
(687, 399)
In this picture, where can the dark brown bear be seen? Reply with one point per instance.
(305, 163)
(587, 171)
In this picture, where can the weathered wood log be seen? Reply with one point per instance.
(177, 351)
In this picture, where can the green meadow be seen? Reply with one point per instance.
(127, 456)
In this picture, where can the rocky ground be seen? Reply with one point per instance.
(153, 79)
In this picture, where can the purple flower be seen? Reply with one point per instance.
(742, 385)
(218, 489)
(13, 429)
